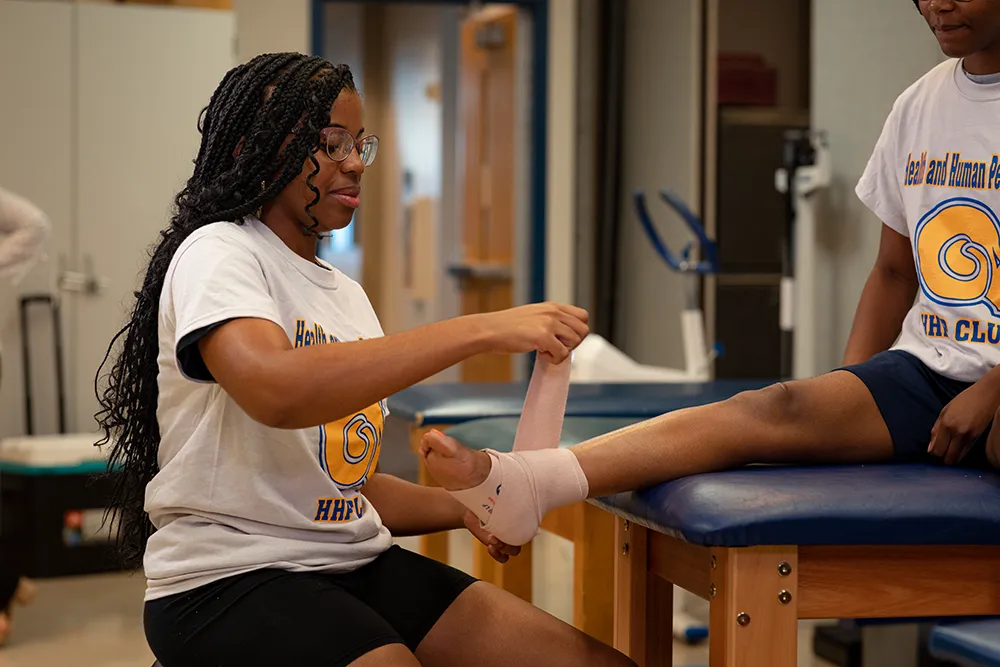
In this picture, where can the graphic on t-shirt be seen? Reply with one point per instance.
(956, 252)
(349, 447)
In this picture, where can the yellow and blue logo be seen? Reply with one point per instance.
(349, 447)
(957, 254)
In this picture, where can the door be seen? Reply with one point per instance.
(36, 163)
(488, 96)
(140, 95)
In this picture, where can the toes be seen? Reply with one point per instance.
(436, 442)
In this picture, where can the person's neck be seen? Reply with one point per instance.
(983, 62)
(289, 231)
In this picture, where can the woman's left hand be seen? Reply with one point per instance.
(500, 552)
(963, 420)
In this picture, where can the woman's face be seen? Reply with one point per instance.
(339, 183)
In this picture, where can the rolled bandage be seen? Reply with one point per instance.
(541, 422)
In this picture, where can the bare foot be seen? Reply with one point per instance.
(453, 465)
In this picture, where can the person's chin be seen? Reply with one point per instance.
(953, 47)
(955, 51)
(337, 221)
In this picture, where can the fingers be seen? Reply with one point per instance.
(504, 548)
(554, 348)
(567, 336)
(577, 313)
(938, 442)
(500, 551)
(579, 326)
(497, 555)
(957, 450)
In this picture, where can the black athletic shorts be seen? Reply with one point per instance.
(272, 618)
(910, 397)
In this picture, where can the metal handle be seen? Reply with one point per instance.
(81, 282)
(710, 263)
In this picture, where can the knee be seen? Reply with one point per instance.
(778, 403)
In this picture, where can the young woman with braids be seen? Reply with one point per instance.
(245, 403)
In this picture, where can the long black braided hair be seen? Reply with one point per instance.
(241, 165)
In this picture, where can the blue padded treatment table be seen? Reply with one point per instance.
(454, 403)
(890, 504)
(971, 644)
(769, 545)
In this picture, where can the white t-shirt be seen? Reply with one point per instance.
(231, 494)
(935, 177)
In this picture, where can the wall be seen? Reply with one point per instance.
(266, 26)
(560, 210)
(35, 69)
(859, 68)
(660, 148)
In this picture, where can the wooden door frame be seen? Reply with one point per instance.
(539, 12)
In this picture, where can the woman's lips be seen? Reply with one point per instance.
(350, 197)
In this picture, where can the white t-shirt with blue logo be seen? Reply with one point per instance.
(231, 494)
(935, 177)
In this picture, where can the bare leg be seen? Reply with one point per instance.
(827, 419)
(489, 627)
(391, 655)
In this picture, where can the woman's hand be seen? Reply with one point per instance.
(963, 420)
(552, 329)
(500, 552)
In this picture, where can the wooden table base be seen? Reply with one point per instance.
(758, 594)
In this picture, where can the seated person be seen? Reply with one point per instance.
(920, 378)
(246, 401)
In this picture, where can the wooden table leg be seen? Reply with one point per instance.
(754, 613)
(514, 576)
(593, 565)
(643, 601)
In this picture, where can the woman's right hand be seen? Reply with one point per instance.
(552, 329)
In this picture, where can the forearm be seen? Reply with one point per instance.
(884, 303)
(307, 386)
(991, 381)
(409, 509)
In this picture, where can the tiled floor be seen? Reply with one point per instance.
(96, 621)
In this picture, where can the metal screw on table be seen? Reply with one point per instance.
(711, 590)
(626, 526)
(743, 619)
(784, 597)
(713, 562)
(625, 549)
(784, 569)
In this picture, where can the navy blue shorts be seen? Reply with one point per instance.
(910, 397)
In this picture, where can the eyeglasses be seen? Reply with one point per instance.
(339, 143)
